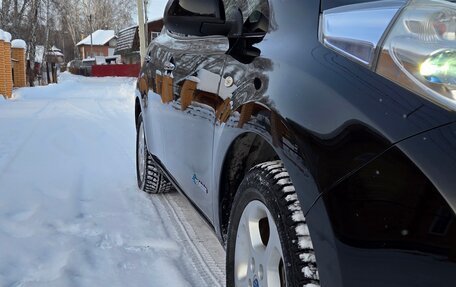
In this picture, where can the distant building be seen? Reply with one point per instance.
(128, 41)
(103, 43)
(54, 55)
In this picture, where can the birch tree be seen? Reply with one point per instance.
(32, 44)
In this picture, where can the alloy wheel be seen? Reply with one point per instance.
(258, 250)
(141, 153)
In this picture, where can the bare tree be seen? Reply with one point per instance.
(32, 44)
(46, 22)
(106, 14)
(12, 15)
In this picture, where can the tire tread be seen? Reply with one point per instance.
(279, 179)
(155, 181)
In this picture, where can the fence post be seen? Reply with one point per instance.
(18, 48)
(2, 65)
(8, 68)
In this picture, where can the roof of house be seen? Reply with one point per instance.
(125, 40)
(100, 38)
(128, 40)
(54, 51)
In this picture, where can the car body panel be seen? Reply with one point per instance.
(330, 120)
(403, 225)
(328, 4)
(187, 108)
(336, 115)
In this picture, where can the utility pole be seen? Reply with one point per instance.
(142, 40)
(63, 46)
(46, 46)
(32, 45)
(146, 26)
(91, 29)
(91, 36)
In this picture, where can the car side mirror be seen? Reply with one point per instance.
(200, 18)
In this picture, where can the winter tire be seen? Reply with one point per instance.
(149, 176)
(268, 242)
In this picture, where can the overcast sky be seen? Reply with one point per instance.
(155, 9)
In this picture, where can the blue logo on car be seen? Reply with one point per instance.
(199, 183)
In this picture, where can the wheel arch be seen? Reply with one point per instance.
(137, 109)
(245, 151)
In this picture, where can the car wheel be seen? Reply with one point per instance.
(149, 176)
(268, 242)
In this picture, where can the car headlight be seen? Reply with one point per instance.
(412, 43)
(419, 52)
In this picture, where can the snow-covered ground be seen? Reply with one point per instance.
(70, 212)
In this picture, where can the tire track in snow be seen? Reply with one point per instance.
(29, 135)
(201, 234)
(210, 270)
(97, 220)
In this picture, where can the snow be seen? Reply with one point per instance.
(99, 38)
(287, 189)
(305, 242)
(291, 197)
(309, 273)
(307, 257)
(39, 54)
(70, 211)
(284, 181)
(302, 229)
(298, 216)
(7, 37)
(281, 175)
(54, 51)
(18, 44)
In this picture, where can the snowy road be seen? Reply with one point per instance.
(70, 212)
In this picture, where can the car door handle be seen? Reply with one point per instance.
(169, 67)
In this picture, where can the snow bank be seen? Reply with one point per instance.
(18, 44)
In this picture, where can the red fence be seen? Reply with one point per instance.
(116, 70)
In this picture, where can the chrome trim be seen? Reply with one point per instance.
(356, 30)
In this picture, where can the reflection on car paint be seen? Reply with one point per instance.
(344, 134)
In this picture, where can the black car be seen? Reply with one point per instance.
(317, 137)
